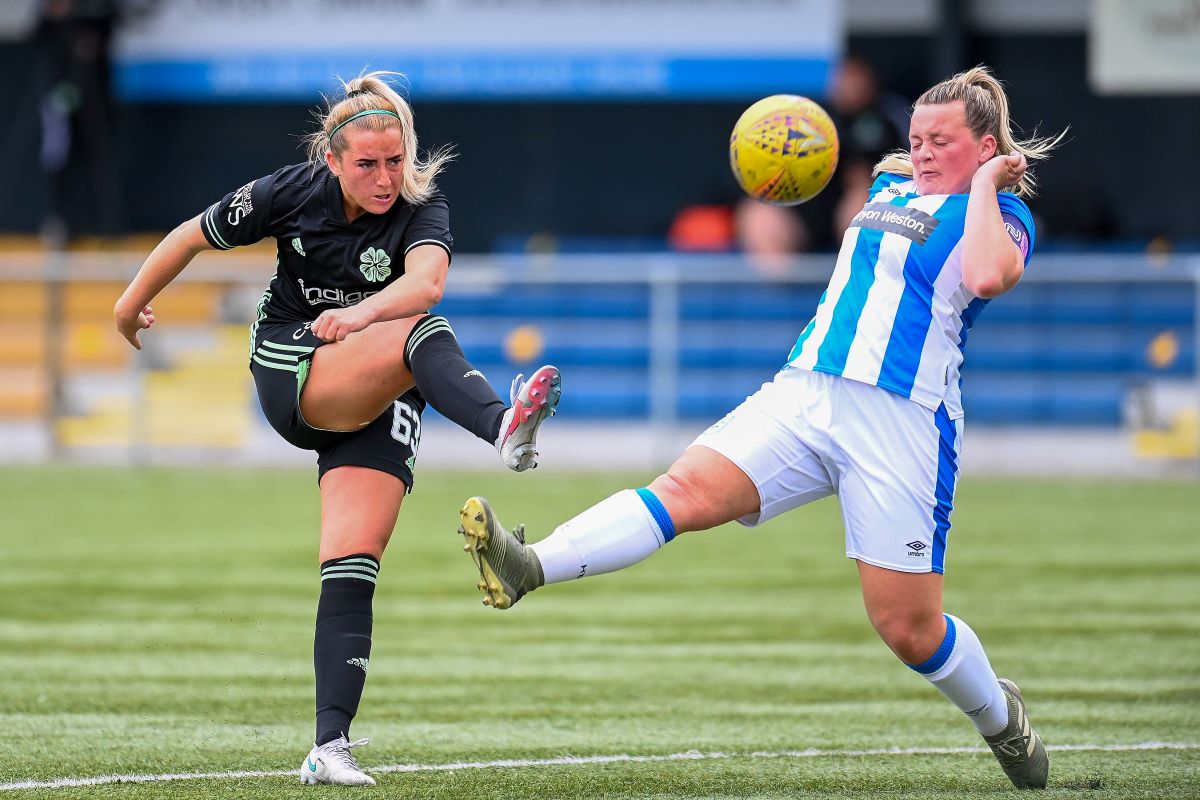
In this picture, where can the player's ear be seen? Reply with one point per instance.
(987, 147)
(332, 162)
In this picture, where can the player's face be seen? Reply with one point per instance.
(945, 153)
(370, 170)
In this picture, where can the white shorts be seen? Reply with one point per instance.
(892, 463)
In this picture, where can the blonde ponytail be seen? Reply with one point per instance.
(370, 92)
(986, 106)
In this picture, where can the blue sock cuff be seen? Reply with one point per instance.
(938, 659)
(659, 512)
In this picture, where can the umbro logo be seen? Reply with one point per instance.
(474, 372)
(361, 663)
(916, 548)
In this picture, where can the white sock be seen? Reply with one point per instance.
(960, 670)
(613, 534)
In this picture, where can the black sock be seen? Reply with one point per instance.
(449, 383)
(342, 646)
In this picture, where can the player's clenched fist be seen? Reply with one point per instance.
(1003, 170)
(338, 323)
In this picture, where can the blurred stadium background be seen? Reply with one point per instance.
(593, 211)
(157, 618)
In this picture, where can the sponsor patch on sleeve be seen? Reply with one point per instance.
(240, 205)
(1016, 232)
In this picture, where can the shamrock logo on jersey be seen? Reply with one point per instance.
(376, 264)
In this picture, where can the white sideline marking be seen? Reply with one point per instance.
(691, 755)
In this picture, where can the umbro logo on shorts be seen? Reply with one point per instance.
(916, 547)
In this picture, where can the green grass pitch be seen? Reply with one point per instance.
(160, 622)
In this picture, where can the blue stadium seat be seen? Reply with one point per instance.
(1047, 353)
(550, 302)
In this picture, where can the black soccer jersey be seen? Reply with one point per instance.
(324, 261)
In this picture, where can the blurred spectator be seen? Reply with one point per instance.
(75, 107)
(870, 122)
(769, 235)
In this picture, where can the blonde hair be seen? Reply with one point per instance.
(986, 107)
(371, 92)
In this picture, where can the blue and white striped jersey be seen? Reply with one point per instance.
(896, 313)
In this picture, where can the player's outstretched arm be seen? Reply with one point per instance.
(132, 312)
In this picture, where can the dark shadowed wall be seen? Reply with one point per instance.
(623, 169)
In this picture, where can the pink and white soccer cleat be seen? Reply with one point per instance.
(533, 401)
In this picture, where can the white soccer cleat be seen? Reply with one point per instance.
(332, 763)
(533, 401)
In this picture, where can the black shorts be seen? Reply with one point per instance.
(280, 361)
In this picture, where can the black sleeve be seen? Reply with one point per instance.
(430, 225)
(241, 217)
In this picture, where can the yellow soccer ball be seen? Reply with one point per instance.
(783, 150)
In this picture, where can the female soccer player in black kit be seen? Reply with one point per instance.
(344, 356)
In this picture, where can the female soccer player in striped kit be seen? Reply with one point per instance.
(867, 408)
(345, 356)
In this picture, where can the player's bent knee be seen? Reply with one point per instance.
(689, 498)
(397, 331)
(677, 493)
(912, 639)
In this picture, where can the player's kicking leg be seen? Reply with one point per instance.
(533, 401)
(611, 535)
(702, 489)
(459, 392)
(358, 379)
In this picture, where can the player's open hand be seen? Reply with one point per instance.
(1003, 170)
(338, 323)
(130, 325)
